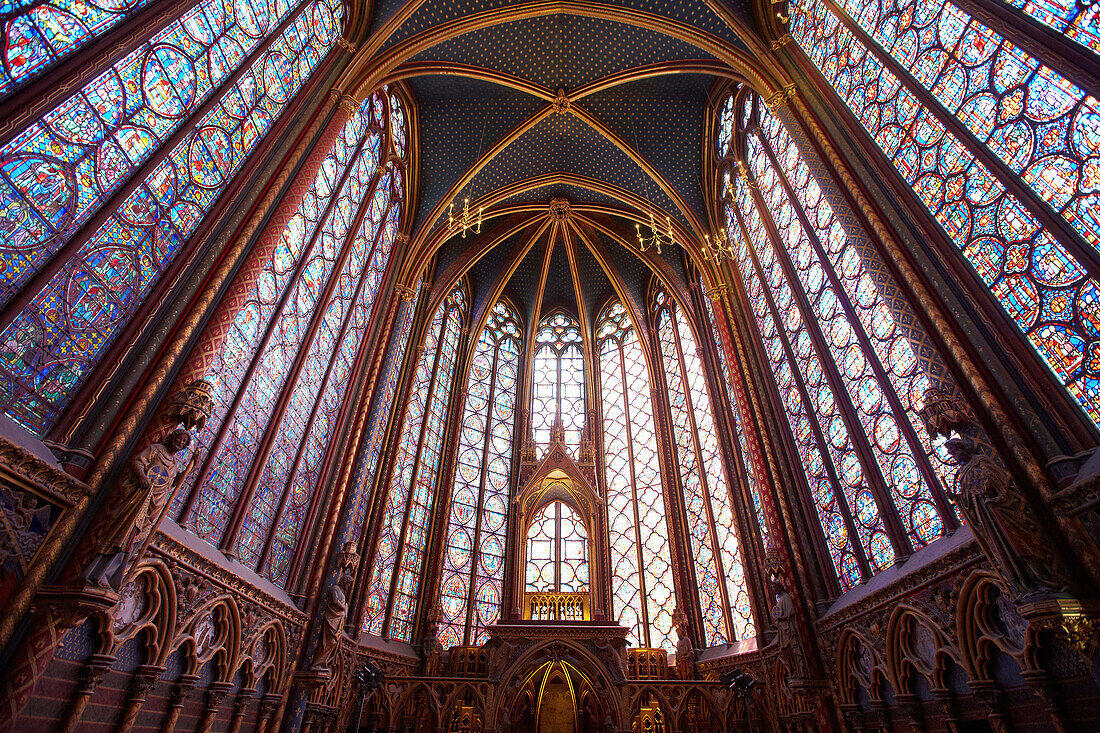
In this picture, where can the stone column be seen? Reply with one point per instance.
(143, 680)
(185, 685)
(240, 709)
(90, 677)
(215, 694)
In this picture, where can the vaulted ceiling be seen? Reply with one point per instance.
(600, 102)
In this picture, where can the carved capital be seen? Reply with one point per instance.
(92, 673)
(783, 96)
(182, 690)
(143, 680)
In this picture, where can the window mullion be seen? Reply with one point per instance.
(901, 417)
(811, 416)
(704, 484)
(642, 596)
(1081, 250)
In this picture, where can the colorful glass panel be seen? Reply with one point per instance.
(59, 337)
(473, 556)
(411, 495)
(890, 450)
(1079, 21)
(243, 412)
(558, 382)
(703, 483)
(557, 551)
(39, 34)
(1040, 285)
(1042, 126)
(642, 586)
(735, 414)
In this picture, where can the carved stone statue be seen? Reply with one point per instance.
(134, 509)
(336, 609)
(685, 650)
(790, 647)
(1004, 522)
(431, 648)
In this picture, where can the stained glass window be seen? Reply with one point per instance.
(1014, 137)
(60, 171)
(557, 382)
(845, 369)
(473, 558)
(297, 327)
(557, 551)
(750, 471)
(410, 497)
(713, 542)
(1077, 20)
(641, 566)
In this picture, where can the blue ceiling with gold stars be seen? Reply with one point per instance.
(626, 136)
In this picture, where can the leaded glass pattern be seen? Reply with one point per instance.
(38, 35)
(557, 551)
(642, 587)
(1041, 286)
(557, 382)
(736, 416)
(255, 368)
(55, 175)
(1079, 21)
(473, 556)
(410, 497)
(725, 606)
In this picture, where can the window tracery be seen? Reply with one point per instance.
(557, 391)
(282, 372)
(844, 366)
(998, 146)
(557, 551)
(399, 554)
(713, 541)
(59, 172)
(477, 530)
(642, 588)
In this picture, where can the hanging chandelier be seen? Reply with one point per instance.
(464, 220)
(655, 239)
(719, 247)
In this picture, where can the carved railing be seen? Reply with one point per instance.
(468, 661)
(646, 664)
(556, 607)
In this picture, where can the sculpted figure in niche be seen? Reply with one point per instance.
(685, 650)
(134, 509)
(786, 635)
(336, 609)
(1004, 522)
(432, 649)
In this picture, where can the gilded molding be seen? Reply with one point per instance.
(28, 469)
(783, 96)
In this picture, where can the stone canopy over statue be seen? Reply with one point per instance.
(134, 509)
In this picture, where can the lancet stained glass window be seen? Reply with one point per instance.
(557, 382)
(750, 471)
(713, 542)
(477, 530)
(1040, 135)
(643, 594)
(242, 68)
(557, 551)
(839, 354)
(285, 363)
(410, 497)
